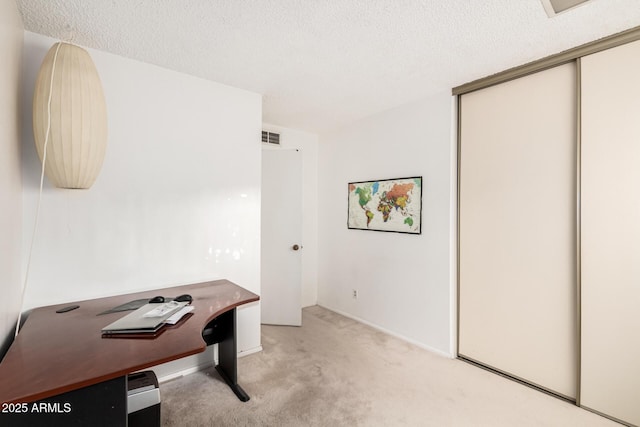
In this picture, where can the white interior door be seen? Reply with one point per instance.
(281, 276)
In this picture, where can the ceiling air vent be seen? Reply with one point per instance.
(270, 138)
(554, 7)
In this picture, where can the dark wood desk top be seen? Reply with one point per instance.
(56, 353)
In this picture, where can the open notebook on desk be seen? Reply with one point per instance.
(148, 319)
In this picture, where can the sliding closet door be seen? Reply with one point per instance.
(517, 228)
(610, 380)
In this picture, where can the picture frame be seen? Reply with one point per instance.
(392, 205)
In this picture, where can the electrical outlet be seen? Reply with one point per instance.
(355, 294)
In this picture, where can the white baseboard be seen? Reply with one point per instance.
(203, 366)
(244, 353)
(393, 334)
(184, 372)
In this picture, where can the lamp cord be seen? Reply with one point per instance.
(44, 160)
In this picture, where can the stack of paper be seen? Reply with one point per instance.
(175, 318)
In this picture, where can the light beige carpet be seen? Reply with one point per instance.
(334, 371)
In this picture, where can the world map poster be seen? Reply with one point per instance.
(386, 205)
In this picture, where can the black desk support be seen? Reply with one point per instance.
(227, 350)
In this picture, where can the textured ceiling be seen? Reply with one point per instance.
(321, 64)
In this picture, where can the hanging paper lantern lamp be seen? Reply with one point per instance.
(78, 120)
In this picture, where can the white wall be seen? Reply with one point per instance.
(11, 33)
(307, 143)
(403, 281)
(177, 201)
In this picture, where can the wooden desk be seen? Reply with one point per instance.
(59, 353)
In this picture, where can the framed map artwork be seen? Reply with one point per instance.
(386, 205)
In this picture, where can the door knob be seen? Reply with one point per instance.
(296, 247)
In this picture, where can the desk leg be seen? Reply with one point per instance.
(228, 354)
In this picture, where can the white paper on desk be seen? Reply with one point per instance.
(163, 309)
(175, 318)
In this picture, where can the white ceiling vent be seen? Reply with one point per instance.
(270, 138)
(554, 7)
